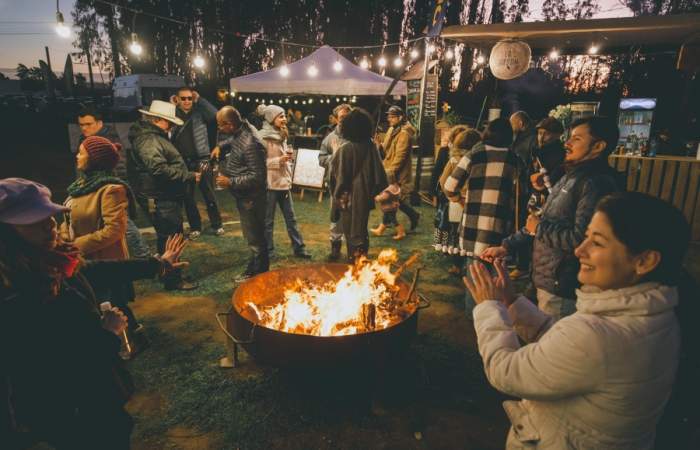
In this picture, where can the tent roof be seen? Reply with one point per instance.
(572, 35)
(351, 80)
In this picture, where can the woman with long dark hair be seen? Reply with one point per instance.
(601, 377)
(62, 379)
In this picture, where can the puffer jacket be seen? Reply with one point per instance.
(598, 379)
(565, 217)
(158, 169)
(245, 161)
(202, 114)
(397, 156)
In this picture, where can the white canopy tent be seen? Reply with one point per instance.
(349, 80)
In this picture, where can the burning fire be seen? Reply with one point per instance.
(364, 299)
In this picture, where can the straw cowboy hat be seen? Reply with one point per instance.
(164, 110)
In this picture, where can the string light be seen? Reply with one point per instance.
(286, 100)
(312, 71)
(431, 48)
(310, 101)
(554, 54)
(199, 62)
(303, 102)
(284, 70)
(414, 54)
(296, 102)
(135, 48)
(345, 99)
(337, 66)
(480, 59)
(247, 99)
(449, 54)
(337, 100)
(364, 63)
(240, 98)
(61, 28)
(593, 49)
(382, 61)
(398, 62)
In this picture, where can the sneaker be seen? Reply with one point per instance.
(219, 231)
(302, 253)
(240, 278)
(194, 235)
(182, 286)
(516, 274)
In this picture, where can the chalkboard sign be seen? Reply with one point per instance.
(431, 97)
(413, 101)
(307, 172)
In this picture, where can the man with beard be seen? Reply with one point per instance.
(244, 174)
(561, 227)
(330, 144)
(274, 134)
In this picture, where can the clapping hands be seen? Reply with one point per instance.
(483, 286)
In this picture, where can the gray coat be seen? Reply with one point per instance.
(245, 161)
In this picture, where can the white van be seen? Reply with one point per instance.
(136, 91)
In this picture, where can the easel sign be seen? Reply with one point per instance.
(308, 174)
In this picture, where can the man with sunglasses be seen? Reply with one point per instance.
(192, 141)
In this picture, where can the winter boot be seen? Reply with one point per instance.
(379, 230)
(400, 232)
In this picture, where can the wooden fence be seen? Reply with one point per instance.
(674, 179)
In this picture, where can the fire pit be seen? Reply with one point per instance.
(325, 314)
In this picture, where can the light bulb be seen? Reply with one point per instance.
(310, 101)
(398, 62)
(593, 49)
(303, 102)
(431, 48)
(449, 54)
(198, 62)
(554, 54)
(414, 54)
(382, 62)
(247, 99)
(312, 71)
(337, 66)
(345, 99)
(296, 102)
(364, 63)
(480, 59)
(284, 70)
(135, 48)
(61, 28)
(337, 100)
(286, 100)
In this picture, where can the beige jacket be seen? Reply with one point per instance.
(98, 223)
(397, 156)
(279, 174)
(598, 379)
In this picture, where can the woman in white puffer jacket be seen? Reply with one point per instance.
(600, 378)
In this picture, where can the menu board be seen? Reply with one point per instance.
(413, 101)
(430, 101)
(307, 172)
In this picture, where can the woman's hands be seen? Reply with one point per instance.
(173, 249)
(114, 320)
(483, 286)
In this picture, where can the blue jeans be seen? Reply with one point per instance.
(136, 244)
(284, 199)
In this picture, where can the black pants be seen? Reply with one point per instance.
(206, 187)
(252, 213)
(167, 220)
(390, 217)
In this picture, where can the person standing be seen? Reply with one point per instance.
(192, 141)
(162, 176)
(357, 176)
(397, 163)
(489, 171)
(91, 124)
(561, 227)
(274, 134)
(524, 136)
(329, 146)
(245, 175)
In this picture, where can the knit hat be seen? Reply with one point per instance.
(102, 153)
(271, 112)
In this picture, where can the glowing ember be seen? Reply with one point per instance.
(364, 299)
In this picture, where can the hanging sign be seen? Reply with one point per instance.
(509, 59)
(437, 19)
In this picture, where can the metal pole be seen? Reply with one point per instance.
(423, 83)
(89, 63)
(49, 76)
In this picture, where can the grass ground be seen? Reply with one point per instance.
(186, 401)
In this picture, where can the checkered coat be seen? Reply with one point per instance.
(489, 173)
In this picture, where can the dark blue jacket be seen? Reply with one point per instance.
(203, 113)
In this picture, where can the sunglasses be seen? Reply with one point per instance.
(185, 98)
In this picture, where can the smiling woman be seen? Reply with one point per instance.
(601, 377)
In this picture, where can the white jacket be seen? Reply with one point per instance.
(598, 379)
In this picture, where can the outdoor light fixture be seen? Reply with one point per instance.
(480, 59)
(382, 61)
(364, 63)
(449, 54)
(312, 71)
(198, 62)
(284, 70)
(337, 66)
(554, 54)
(61, 28)
(135, 47)
(398, 62)
(593, 49)
(414, 54)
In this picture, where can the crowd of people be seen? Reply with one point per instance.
(602, 340)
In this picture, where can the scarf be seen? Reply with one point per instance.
(91, 181)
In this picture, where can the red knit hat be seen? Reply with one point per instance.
(103, 154)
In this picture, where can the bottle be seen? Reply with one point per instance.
(106, 306)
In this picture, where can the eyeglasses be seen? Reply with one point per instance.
(185, 98)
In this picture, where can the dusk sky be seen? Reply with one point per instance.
(38, 18)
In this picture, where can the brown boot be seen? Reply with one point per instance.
(379, 230)
(400, 233)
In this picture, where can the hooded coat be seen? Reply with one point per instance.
(597, 379)
(397, 156)
(279, 174)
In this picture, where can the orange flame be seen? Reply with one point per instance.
(336, 308)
